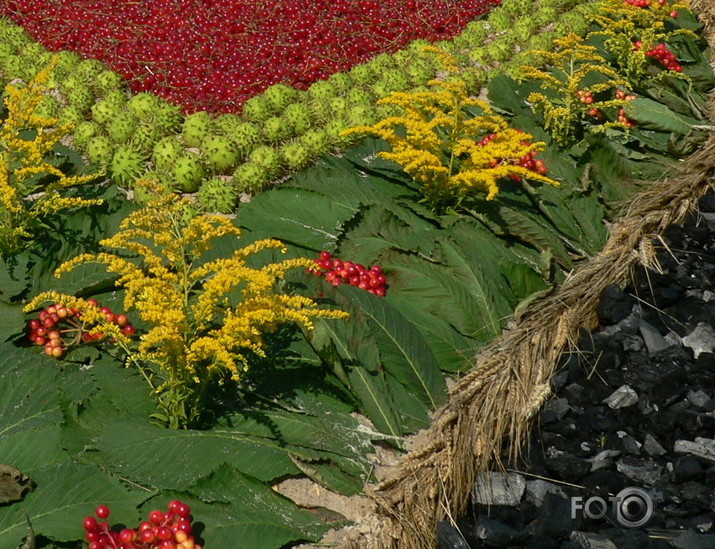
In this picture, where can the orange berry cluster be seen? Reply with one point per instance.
(170, 530)
(58, 327)
(528, 161)
(338, 272)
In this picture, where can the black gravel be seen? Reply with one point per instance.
(634, 410)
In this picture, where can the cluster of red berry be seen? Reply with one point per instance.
(58, 327)
(170, 530)
(528, 161)
(338, 272)
(646, 3)
(622, 116)
(667, 59)
(215, 54)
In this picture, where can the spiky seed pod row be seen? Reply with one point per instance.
(83, 132)
(144, 136)
(143, 105)
(279, 96)
(99, 150)
(71, 115)
(268, 159)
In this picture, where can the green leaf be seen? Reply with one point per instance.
(405, 355)
(249, 511)
(353, 350)
(653, 115)
(13, 321)
(296, 216)
(28, 390)
(64, 493)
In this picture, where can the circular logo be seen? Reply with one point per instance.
(633, 507)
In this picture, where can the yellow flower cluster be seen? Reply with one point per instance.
(22, 160)
(203, 316)
(630, 31)
(562, 79)
(440, 145)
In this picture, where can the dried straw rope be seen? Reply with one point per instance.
(490, 410)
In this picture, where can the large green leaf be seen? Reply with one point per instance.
(250, 513)
(296, 216)
(404, 353)
(28, 390)
(653, 115)
(65, 493)
(353, 353)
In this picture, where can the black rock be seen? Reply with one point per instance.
(613, 306)
(555, 518)
(686, 468)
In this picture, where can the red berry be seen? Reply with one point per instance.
(157, 517)
(90, 524)
(102, 511)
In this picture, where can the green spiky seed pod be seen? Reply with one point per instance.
(297, 115)
(358, 96)
(99, 150)
(14, 35)
(420, 72)
(276, 129)
(89, 69)
(572, 21)
(144, 136)
(122, 127)
(339, 105)
(49, 107)
(322, 90)
(363, 75)
(245, 136)
(541, 42)
(83, 133)
(268, 159)
(334, 129)
(279, 96)
(320, 111)
(342, 82)
(15, 66)
(395, 81)
(523, 29)
(219, 153)
(386, 111)
(544, 16)
(316, 142)
(116, 97)
(500, 19)
(127, 165)
(33, 50)
(216, 195)
(168, 117)
(295, 156)
(143, 105)
(5, 50)
(257, 109)
(104, 112)
(383, 63)
(70, 115)
(361, 115)
(166, 152)
(188, 173)
(82, 98)
(196, 128)
(250, 178)
(476, 32)
(108, 80)
(227, 123)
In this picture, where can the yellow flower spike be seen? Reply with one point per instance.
(205, 319)
(19, 215)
